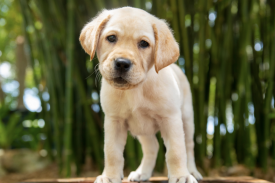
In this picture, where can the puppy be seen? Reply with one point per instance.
(143, 92)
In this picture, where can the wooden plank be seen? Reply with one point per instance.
(153, 179)
(232, 180)
(84, 180)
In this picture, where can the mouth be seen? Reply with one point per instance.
(120, 80)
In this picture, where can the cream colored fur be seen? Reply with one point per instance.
(156, 97)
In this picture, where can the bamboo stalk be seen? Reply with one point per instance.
(272, 60)
(93, 135)
(175, 20)
(202, 72)
(215, 53)
(228, 67)
(137, 3)
(241, 86)
(78, 142)
(130, 153)
(142, 4)
(269, 56)
(67, 151)
(185, 43)
(161, 154)
(248, 158)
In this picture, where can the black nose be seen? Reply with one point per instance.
(122, 64)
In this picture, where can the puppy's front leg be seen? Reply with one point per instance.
(115, 139)
(173, 135)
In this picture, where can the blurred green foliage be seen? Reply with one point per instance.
(10, 28)
(20, 129)
(9, 132)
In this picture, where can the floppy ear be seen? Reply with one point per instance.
(90, 33)
(166, 47)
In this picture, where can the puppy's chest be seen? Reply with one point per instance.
(140, 114)
(143, 121)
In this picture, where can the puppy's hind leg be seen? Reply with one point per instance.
(150, 148)
(188, 125)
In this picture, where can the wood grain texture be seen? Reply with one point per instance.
(153, 179)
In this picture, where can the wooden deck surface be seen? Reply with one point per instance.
(153, 179)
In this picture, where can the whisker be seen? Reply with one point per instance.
(96, 80)
(98, 76)
(95, 70)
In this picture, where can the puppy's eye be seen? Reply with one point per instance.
(143, 44)
(111, 38)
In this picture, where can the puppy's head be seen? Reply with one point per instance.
(128, 42)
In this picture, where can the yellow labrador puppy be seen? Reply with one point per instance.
(143, 92)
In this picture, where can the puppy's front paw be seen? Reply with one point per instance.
(183, 179)
(138, 177)
(196, 174)
(105, 179)
(193, 171)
